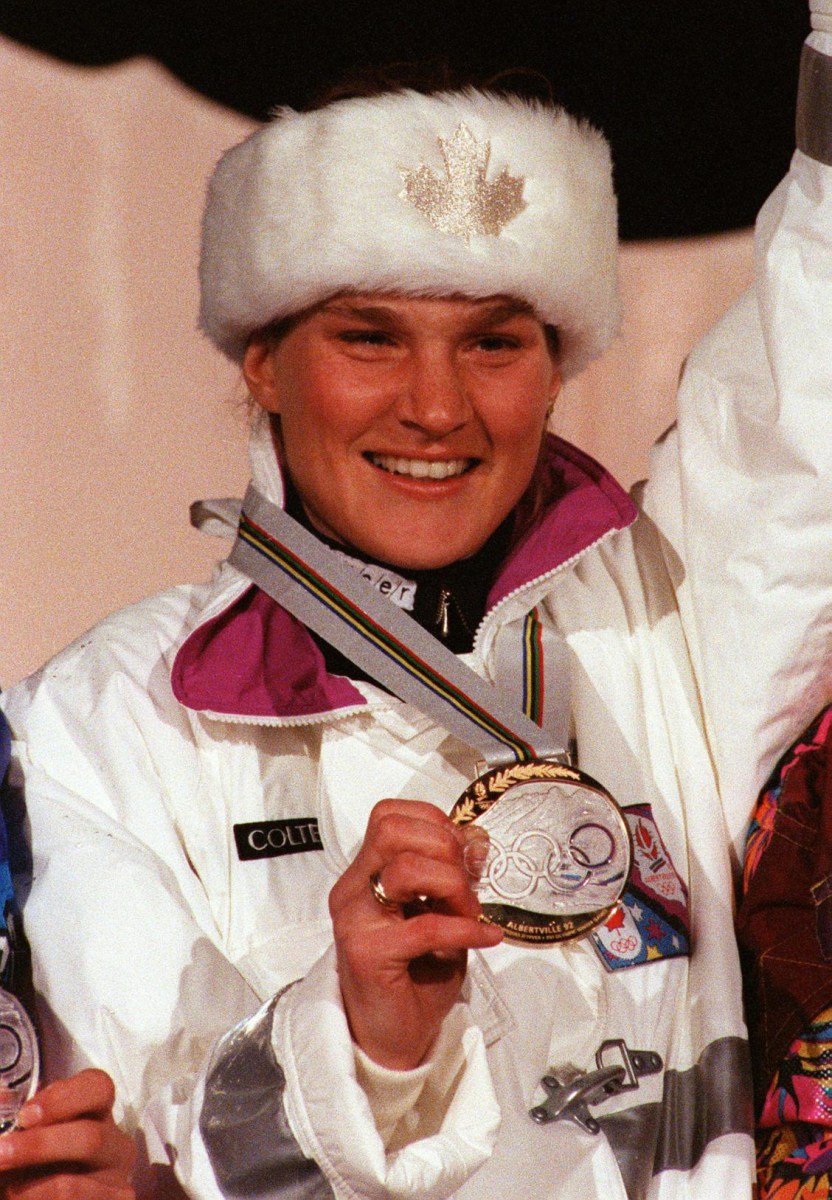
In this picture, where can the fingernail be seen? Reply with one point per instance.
(29, 1115)
(476, 849)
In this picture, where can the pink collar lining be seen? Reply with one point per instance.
(254, 660)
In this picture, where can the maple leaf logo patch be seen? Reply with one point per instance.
(464, 203)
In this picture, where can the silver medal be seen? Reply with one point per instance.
(555, 852)
(19, 1060)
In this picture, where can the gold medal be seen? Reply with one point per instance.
(555, 852)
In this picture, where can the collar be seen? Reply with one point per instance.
(253, 661)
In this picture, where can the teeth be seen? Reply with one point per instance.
(420, 468)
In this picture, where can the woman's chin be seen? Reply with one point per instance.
(408, 556)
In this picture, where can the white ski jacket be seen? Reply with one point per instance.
(194, 782)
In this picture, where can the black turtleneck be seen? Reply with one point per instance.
(449, 601)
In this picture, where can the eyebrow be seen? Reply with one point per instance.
(365, 312)
(504, 312)
(486, 315)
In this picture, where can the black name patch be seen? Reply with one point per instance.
(271, 839)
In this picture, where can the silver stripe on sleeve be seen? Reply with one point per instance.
(814, 106)
(243, 1124)
(255, 1156)
(710, 1099)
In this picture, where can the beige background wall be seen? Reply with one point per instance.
(117, 413)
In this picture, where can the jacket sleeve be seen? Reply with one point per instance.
(125, 949)
(280, 1110)
(741, 487)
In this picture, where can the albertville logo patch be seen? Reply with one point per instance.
(272, 839)
(651, 920)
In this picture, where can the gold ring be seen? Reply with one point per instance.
(379, 893)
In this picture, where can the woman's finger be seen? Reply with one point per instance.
(417, 809)
(396, 827)
(390, 950)
(396, 831)
(93, 1144)
(410, 876)
(90, 1093)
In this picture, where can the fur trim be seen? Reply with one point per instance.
(314, 204)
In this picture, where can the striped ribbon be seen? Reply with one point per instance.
(312, 583)
(533, 690)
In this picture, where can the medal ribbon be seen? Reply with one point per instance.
(533, 691)
(309, 581)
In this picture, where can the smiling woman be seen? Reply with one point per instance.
(355, 994)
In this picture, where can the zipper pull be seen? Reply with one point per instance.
(442, 618)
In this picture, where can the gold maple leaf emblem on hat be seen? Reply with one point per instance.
(464, 202)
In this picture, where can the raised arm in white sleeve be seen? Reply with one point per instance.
(742, 485)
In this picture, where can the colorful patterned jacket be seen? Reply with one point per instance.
(786, 935)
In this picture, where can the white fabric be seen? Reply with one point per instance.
(698, 638)
(393, 1095)
(821, 15)
(312, 1041)
(407, 1105)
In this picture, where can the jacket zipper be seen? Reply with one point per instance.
(491, 615)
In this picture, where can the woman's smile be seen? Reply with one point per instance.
(421, 468)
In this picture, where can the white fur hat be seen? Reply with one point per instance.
(462, 193)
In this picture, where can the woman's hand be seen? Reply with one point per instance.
(67, 1146)
(401, 968)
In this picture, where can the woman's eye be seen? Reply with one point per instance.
(494, 342)
(365, 337)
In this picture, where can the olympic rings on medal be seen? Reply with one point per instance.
(592, 845)
(566, 869)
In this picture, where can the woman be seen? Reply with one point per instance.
(273, 933)
(64, 1136)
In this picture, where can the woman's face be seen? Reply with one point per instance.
(410, 426)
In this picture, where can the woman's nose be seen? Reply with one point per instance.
(434, 396)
